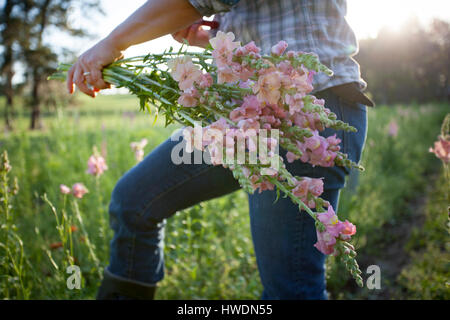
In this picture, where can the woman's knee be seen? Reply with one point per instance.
(126, 208)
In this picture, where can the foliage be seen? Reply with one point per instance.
(410, 65)
(209, 252)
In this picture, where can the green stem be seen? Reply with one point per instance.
(294, 198)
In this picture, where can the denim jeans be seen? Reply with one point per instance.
(283, 237)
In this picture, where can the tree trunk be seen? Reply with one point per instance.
(9, 93)
(35, 102)
(7, 66)
(35, 98)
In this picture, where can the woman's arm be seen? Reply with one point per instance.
(152, 20)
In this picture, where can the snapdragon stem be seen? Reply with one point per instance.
(140, 86)
(294, 198)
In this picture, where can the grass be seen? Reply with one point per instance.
(209, 253)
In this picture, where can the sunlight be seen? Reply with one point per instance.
(367, 17)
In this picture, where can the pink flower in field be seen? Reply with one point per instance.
(96, 165)
(64, 189)
(79, 190)
(393, 128)
(223, 46)
(268, 88)
(279, 48)
(138, 149)
(442, 149)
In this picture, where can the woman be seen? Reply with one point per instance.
(289, 266)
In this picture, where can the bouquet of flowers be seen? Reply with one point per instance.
(241, 106)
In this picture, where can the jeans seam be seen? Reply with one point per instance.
(345, 133)
(301, 238)
(130, 256)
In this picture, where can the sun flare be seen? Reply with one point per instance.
(367, 17)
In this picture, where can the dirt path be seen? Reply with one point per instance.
(393, 257)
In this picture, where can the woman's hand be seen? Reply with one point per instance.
(194, 34)
(88, 68)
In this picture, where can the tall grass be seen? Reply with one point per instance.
(209, 252)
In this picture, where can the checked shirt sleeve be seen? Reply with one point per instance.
(210, 7)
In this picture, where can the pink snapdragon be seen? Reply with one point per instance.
(223, 46)
(317, 150)
(268, 88)
(334, 230)
(185, 72)
(96, 165)
(307, 189)
(79, 190)
(295, 103)
(227, 75)
(250, 108)
(189, 98)
(442, 149)
(138, 149)
(393, 128)
(279, 48)
(64, 189)
(260, 184)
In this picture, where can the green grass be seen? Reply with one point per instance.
(209, 253)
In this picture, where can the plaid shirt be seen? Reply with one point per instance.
(317, 26)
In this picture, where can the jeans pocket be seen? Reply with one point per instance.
(355, 114)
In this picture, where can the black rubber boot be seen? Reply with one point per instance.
(117, 288)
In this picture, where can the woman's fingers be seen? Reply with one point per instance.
(70, 79)
(79, 80)
(93, 75)
(192, 33)
(180, 35)
(95, 79)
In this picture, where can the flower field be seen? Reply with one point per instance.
(399, 205)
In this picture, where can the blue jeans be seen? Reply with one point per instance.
(152, 191)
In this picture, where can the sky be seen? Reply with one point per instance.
(366, 17)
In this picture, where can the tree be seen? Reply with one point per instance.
(9, 24)
(412, 64)
(40, 58)
(25, 24)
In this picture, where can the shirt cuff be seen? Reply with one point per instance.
(210, 7)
